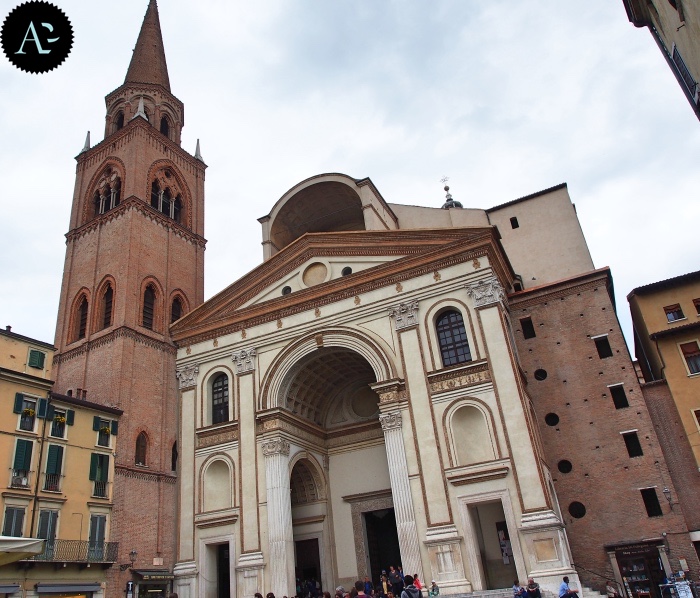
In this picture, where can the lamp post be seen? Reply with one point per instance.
(667, 493)
(132, 556)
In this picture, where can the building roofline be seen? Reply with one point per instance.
(85, 403)
(20, 337)
(674, 330)
(527, 197)
(667, 283)
(24, 375)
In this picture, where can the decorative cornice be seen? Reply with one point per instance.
(207, 438)
(130, 472)
(390, 421)
(244, 360)
(122, 332)
(561, 288)
(486, 292)
(187, 376)
(134, 203)
(459, 378)
(405, 315)
(275, 446)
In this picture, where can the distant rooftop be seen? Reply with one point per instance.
(7, 332)
(668, 283)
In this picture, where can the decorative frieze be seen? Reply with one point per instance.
(486, 292)
(275, 446)
(460, 381)
(244, 360)
(391, 420)
(187, 376)
(405, 315)
(222, 437)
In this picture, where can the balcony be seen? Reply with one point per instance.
(77, 551)
(100, 490)
(52, 482)
(20, 478)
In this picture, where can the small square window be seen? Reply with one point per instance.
(514, 222)
(651, 502)
(696, 303)
(528, 328)
(674, 313)
(696, 413)
(634, 447)
(691, 354)
(603, 347)
(36, 359)
(619, 397)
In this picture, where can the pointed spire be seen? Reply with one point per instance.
(148, 61)
(197, 153)
(86, 147)
(140, 111)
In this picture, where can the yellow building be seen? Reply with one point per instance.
(675, 26)
(59, 453)
(666, 319)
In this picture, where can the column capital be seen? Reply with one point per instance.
(405, 315)
(275, 446)
(486, 292)
(390, 420)
(244, 360)
(187, 376)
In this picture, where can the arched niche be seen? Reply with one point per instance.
(472, 441)
(216, 486)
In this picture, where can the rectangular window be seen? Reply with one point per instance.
(14, 521)
(36, 359)
(99, 474)
(96, 544)
(634, 447)
(58, 424)
(674, 313)
(651, 502)
(22, 463)
(691, 354)
(602, 345)
(696, 303)
(104, 428)
(54, 465)
(514, 222)
(46, 530)
(618, 396)
(26, 407)
(696, 413)
(528, 328)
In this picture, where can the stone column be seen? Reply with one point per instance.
(279, 517)
(401, 492)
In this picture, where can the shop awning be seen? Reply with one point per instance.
(154, 574)
(9, 588)
(67, 588)
(14, 549)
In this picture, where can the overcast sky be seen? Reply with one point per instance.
(505, 97)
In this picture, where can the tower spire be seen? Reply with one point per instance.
(148, 60)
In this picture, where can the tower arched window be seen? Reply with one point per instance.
(107, 197)
(149, 302)
(219, 399)
(165, 126)
(82, 318)
(452, 338)
(119, 121)
(176, 310)
(165, 202)
(107, 300)
(141, 449)
(173, 457)
(177, 210)
(155, 196)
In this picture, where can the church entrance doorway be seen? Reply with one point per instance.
(494, 544)
(308, 565)
(382, 541)
(223, 585)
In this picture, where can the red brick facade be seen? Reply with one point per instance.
(581, 426)
(126, 244)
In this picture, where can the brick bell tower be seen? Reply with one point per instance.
(134, 264)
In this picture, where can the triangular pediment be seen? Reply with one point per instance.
(313, 267)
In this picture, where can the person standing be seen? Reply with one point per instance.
(395, 581)
(410, 591)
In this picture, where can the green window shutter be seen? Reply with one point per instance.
(47, 525)
(103, 470)
(50, 412)
(96, 423)
(36, 359)
(115, 427)
(19, 403)
(23, 455)
(54, 459)
(93, 467)
(70, 417)
(41, 411)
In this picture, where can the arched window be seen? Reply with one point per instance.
(81, 328)
(176, 310)
(165, 126)
(165, 202)
(107, 307)
(108, 197)
(120, 121)
(219, 399)
(116, 194)
(141, 449)
(173, 457)
(149, 301)
(177, 209)
(452, 337)
(97, 201)
(155, 196)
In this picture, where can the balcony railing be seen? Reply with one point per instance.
(20, 478)
(77, 551)
(52, 482)
(100, 489)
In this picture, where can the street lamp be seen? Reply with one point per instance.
(132, 556)
(667, 493)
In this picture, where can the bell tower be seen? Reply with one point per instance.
(134, 264)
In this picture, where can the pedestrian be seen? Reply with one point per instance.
(416, 582)
(410, 591)
(368, 586)
(433, 590)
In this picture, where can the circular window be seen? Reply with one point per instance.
(540, 374)
(565, 467)
(286, 290)
(551, 419)
(347, 270)
(577, 509)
